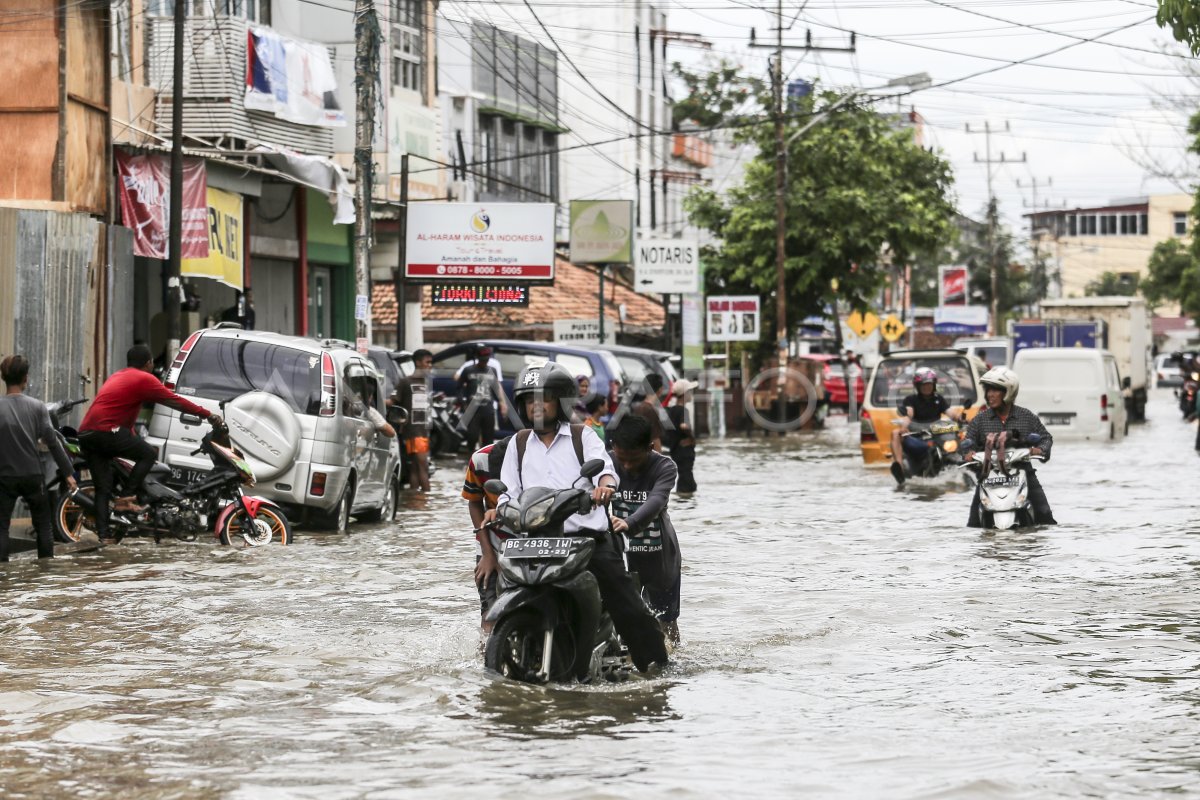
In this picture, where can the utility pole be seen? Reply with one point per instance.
(994, 268)
(175, 223)
(781, 327)
(1039, 271)
(400, 279)
(366, 83)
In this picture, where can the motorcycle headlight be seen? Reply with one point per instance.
(537, 514)
(950, 446)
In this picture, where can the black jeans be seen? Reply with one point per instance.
(481, 429)
(31, 489)
(636, 624)
(1042, 515)
(685, 462)
(101, 447)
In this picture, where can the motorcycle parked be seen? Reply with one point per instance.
(548, 623)
(928, 451)
(68, 437)
(1004, 488)
(1186, 394)
(183, 508)
(445, 424)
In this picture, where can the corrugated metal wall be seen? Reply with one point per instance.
(118, 323)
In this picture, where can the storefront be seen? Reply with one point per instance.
(330, 271)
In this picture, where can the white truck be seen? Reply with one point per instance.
(1126, 334)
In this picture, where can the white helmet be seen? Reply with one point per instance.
(1002, 378)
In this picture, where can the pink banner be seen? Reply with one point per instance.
(145, 194)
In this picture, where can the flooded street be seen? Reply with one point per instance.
(841, 639)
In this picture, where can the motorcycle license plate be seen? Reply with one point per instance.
(1000, 480)
(187, 475)
(1057, 419)
(537, 548)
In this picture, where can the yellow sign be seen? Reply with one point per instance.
(862, 324)
(224, 262)
(892, 328)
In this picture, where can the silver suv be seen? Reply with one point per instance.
(297, 408)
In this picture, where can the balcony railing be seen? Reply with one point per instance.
(214, 88)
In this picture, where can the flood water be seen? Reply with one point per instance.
(841, 639)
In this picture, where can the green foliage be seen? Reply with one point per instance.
(855, 186)
(714, 97)
(1112, 284)
(1183, 18)
(1173, 276)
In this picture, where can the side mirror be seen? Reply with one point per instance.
(1126, 382)
(591, 469)
(189, 419)
(495, 486)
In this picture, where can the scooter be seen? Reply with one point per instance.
(548, 623)
(445, 425)
(184, 509)
(927, 452)
(1003, 486)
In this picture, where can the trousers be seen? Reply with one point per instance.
(32, 490)
(101, 447)
(635, 622)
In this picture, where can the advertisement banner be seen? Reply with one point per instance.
(144, 191)
(733, 318)
(693, 332)
(291, 79)
(225, 232)
(470, 242)
(952, 286)
(960, 319)
(601, 231)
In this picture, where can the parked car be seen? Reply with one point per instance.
(996, 351)
(638, 362)
(393, 365)
(1166, 370)
(891, 381)
(1077, 391)
(600, 366)
(833, 375)
(297, 408)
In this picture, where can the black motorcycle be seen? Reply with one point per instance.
(929, 451)
(184, 509)
(446, 433)
(548, 623)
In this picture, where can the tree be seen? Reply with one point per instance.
(1183, 18)
(714, 97)
(1173, 276)
(1113, 284)
(857, 188)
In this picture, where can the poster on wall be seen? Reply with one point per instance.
(472, 242)
(144, 189)
(224, 260)
(733, 318)
(952, 286)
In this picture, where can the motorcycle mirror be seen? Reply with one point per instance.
(189, 419)
(495, 486)
(591, 469)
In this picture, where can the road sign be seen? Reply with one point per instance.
(577, 331)
(862, 324)
(892, 328)
(667, 266)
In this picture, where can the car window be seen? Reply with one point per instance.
(993, 355)
(576, 365)
(668, 368)
(616, 371)
(361, 389)
(1114, 378)
(388, 368)
(513, 360)
(635, 369)
(893, 380)
(222, 369)
(445, 365)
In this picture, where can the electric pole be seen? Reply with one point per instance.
(366, 84)
(994, 268)
(175, 223)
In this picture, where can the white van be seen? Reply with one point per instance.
(1076, 391)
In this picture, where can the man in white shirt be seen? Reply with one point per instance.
(544, 396)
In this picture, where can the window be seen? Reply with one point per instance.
(1072, 229)
(408, 52)
(221, 369)
(253, 10)
(408, 13)
(576, 365)
(1181, 223)
(1143, 224)
(892, 381)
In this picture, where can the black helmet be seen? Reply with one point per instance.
(550, 381)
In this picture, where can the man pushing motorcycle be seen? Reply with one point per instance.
(549, 453)
(1005, 423)
(107, 430)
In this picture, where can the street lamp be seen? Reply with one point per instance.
(915, 82)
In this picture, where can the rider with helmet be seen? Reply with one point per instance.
(549, 452)
(1002, 415)
(921, 409)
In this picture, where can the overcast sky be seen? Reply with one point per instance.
(1075, 113)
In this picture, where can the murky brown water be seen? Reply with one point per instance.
(842, 639)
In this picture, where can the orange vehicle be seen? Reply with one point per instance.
(891, 381)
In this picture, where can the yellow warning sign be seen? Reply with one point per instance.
(892, 328)
(862, 324)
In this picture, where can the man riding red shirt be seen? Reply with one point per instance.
(107, 429)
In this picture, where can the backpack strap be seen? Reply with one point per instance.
(577, 440)
(522, 440)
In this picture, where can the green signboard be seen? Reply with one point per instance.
(601, 231)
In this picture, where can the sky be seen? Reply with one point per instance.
(1078, 116)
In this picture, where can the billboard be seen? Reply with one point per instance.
(224, 260)
(473, 242)
(601, 231)
(952, 286)
(733, 318)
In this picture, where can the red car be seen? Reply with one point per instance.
(834, 376)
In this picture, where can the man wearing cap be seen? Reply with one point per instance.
(478, 384)
(680, 437)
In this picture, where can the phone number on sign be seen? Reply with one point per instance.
(480, 269)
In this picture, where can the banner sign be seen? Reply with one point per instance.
(497, 241)
(145, 196)
(478, 294)
(577, 331)
(952, 286)
(960, 319)
(225, 232)
(291, 79)
(667, 266)
(601, 231)
(693, 332)
(733, 318)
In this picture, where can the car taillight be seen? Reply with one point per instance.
(317, 487)
(180, 357)
(328, 389)
(1104, 408)
(867, 429)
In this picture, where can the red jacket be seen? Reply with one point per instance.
(121, 398)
